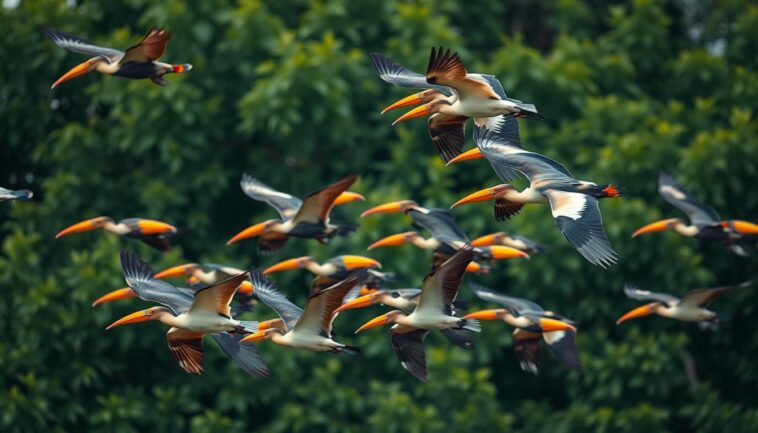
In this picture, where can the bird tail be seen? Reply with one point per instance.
(23, 194)
(528, 111)
(607, 191)
(345, 230)
(178, 69)
(472, 325)
(350, 350)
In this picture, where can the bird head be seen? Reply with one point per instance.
(252, 231)
(428, 108)
(486, 194)
(414, 99)
(79, 70)
(261, 334)
(153, 313)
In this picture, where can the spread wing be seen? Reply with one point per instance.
(441, 223)
(562, 344)
(517, 306)
(285, 204)
(150, 48)
(139, 276)
(408, 345)
(448, 134)
(217, 297)
(702, 297)
(267, 293)
(394, 73)
(76, 44)
(319, 310)
(674, 193)
(318, 204)
(578, 217)
(527, 347)
(440, 287)
(447, 69)
(505, 131)
(633, 292)
(159, 242)
(245, 355)
(271, 242)
(187, 348)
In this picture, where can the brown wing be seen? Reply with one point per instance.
(448, 134)
(320, 283)
(217, 297)
(703, 297)
(319, 309)
(527, 347)
(150, 48)
(440, 287)
(447, 69)
(438, 259)
(271, 242)
(187, 348)
(505, 209)
(317, 205)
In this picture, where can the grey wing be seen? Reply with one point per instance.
(394, 73)
(245, 355)
(506, 131)
(441, 223)
(267, 293)
(513, 304)
(287, 205)
(76, 44)
(448, 134)
(459, 337)
(409, 349)
(21, 194)
(674, 193)
(578, 217)
(633, 292)
(139, 276)
(562, 344)
(705, 296)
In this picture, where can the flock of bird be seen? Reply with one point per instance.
(449, 95)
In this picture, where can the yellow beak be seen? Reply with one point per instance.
(287, 265)
(76, 71)
(390, 241)
(254, 336)
(657, 226)
(484, 315)
(484, 241)
(741, 227)
(373, 323)
(347, 197)
(357, 262)
(500, 252)
(84, 226)
(414, 99)
(642, 311)
(152, 227)
(115, 295)
(137, 317)
(391, 207)
(250, 232)
(176, 271)
(474, 267)
(474, 153)
(246, 288)
(550, 325)
(359, 302)
(482, 195)
(422, 110)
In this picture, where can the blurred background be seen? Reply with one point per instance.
(285, 91)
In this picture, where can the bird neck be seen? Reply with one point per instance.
(119, 229)
(320, 270)
(527, 195)
(425, 244)
(169, 319)
(684, 229)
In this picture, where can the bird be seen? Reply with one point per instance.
(305, 219)
(308, 329)
(532, 324)
(138, 62)
(434, 310)
(705, 223)
(510, 240)
(191, 316)
(333, 270)
(450, 101)
(574, 203)
(19, 194)
(152, 232)
(690, 308)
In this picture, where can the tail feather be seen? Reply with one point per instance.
(472, 325)
(607, 191)
(178, 69)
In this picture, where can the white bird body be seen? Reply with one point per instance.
(306, 341)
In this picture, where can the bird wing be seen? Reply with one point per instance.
(159, 242)
(515, 305)
(271, 242)
(267, 293)
(245, 355)
(319, 309)
(76, 44)
(562, 344)
(139, 276)
(150, 48)
(284, 203)
(633, 292)
(674, 193)
(440, 286)
(318, 204)
(187, 348)
(505, 131)
(394, 73)
(702, 297)
(448, 134)
(441, 223)
(578, 217)
(217, 297)
(527, 347)
(447, 69)
(223, 271)
(408, 345)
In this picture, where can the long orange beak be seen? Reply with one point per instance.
(474, 153)
(348, 197)
(76, 71)
(414, 99)
(422, 110)
(358, 262)
(475, 267)
(152, 227)
(273, 323)
(246, 288)
(642, 311)
(391, 207)
(176, 271)
(389, 241)
(254, 336)
(373, 323)
(550, 325)
(137, 317)
(500, 252)
(287, 265)
(115, 295)
(657, 226)
(84, 226)
(250, 232)
(359, 302)
(482, 195)
(741, 227)
(484, 315)
(484, 241)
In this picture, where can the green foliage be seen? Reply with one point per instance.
(285, 91)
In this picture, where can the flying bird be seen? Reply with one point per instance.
(19, 194)
(690, 308)
(138, 62)
(704, 222)
(191, 316)
(304, 219)
(532, 324)
(574, 203)
(151, 232)
(509, 240)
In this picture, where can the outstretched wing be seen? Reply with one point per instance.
(245, 355)
(408, 345)
(674, 193)
(76, 44)
(702, 297)
(448, 134)
(217, 298)
(633, 292)
(187, 348)
(267, 293)
(139, 276)
(441, 223)
(505, 131)
(440, 287)
(318, 204)
(150, 48)
(447, 69)
(517, 306)
(319, 310)
(527, 347)
(562, 344)
(284, 203)
(394, 73)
